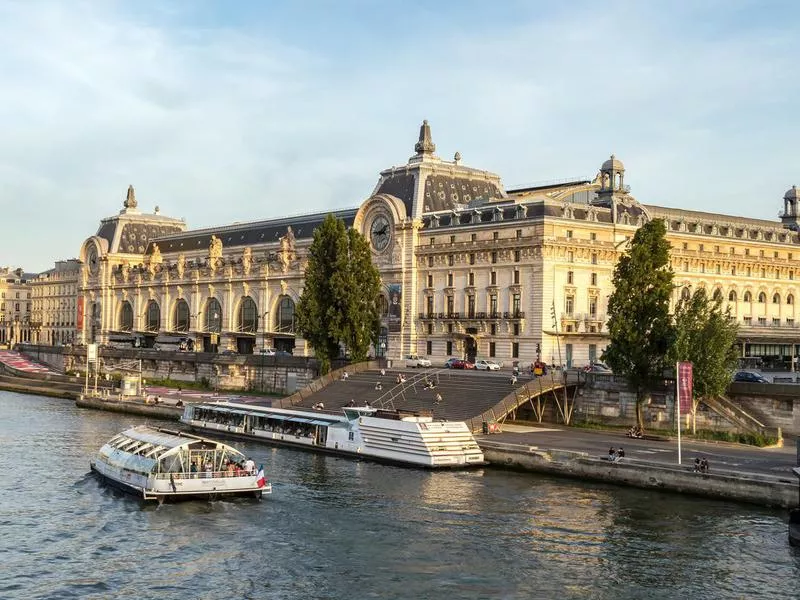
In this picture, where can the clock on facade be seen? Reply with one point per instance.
(379, 233)
(92, 260)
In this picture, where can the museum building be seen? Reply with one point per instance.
(469, 269)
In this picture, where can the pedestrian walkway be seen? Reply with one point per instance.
(18, 362)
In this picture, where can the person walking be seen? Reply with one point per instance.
(438, 398)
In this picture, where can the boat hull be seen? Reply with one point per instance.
(208, 490)
(289, 443)
(794, 527)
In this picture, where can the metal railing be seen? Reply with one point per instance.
(386, 400)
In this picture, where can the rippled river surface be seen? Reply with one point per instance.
(340, 528)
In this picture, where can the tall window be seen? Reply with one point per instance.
(493, 304)
(472, 279)
(491, 349)
(515, 302)
(213, 316)
(494, 256)
(514, 349)
(449, 348)
(594, 279)
(429, 347)
(516, 276)
(126, 317)
(248, 316)
(471, 306)
(181, 316)
(570, 277)
(284, 320)
(493, 278)
(449, 280)
(153, 316)
(429, 305)
(383, 303)
(593, 307)
(450, 305)
(569, 305)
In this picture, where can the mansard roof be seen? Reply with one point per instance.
(249, 233)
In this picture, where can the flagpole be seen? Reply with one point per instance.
(678, 403)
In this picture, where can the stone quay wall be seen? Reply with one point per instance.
(742, 487)
(273, 374)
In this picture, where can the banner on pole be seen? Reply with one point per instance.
(685, 386)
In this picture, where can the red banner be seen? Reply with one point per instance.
(685, 386)
(80, 316)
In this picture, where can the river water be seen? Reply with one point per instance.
(341, 528)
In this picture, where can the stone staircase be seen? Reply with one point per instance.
(465, 394)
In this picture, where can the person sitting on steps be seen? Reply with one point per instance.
(378, 385)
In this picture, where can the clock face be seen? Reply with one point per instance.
(379, 233)
(91, 260)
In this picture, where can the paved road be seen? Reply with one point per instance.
(721, 457)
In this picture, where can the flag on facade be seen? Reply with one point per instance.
(261, 479)
(685, 386)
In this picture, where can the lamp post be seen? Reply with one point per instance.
(263, 354)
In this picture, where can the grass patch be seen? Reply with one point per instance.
(751, 439)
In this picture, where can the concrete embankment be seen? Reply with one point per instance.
(38, 390)
(132, 406)
(742, 487)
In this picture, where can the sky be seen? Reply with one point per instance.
(220, 111)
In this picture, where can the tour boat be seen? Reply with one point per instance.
(408, 438)
(159, 464)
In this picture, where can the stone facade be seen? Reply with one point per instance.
(15, 306)
(54, 296)
(469, 269)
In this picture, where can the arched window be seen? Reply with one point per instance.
(213, 316)
(153, 316)
(717, 294)
(181, 316)
(789, 299)
(762, 298)
(776, 299)
(732, 296)
(383, 305)
(126, 317)
(248, 315)
(748, 297)
(685, 294)
(284, 319)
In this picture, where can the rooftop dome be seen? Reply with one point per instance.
(613, 164)
(792, 194)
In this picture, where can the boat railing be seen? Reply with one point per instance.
(398, 392)
(203, 475)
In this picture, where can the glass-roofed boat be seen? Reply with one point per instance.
(159, 464)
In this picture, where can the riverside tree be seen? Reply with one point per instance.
(705, 336)
(339, 304)
(639, 322)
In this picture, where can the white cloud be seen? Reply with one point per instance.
(220, 124)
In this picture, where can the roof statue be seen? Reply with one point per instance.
(130, 199)
(215, 247)
(425, 144)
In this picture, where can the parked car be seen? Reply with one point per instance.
(413, 361)
(458, 363)
(597, 367)
(750, 377)
(268, 351)
(487, 365)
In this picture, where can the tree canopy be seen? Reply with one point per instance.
(639, 322)
(705, 336)
(339, 304)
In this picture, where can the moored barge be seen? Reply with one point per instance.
(401, 437)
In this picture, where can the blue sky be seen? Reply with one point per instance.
(228, 111)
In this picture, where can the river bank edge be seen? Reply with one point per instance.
(742, 487)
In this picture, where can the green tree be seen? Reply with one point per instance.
(339, 301)
(705, 336)
(639, 322)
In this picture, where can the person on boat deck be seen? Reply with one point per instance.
(366, 403)
(229, 469)
(250, 466)
(351, 403)
(209, 468)
(193, 469)
(378, 385)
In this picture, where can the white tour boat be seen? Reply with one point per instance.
(385, 435)
(158, 464)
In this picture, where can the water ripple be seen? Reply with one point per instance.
(339, 528)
